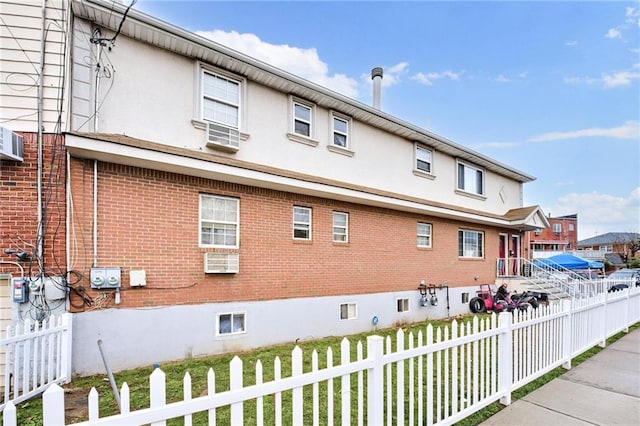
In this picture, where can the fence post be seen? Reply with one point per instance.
(567, 334)
(627, 319)
(65, 358)
(53, 406)
(505, 359)
(375, 381)
(603, 341)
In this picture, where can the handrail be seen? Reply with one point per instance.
(565, 280)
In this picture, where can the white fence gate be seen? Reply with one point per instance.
(35, 356)
(437, 377)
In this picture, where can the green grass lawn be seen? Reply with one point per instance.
(30, 412)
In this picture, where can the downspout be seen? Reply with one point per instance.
(68, 237)
(95, 162)
(41, 225)
(95, 213)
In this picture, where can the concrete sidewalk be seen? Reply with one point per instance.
(603, 390)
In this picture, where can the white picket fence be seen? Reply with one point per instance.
(36, 354)
(438, 376)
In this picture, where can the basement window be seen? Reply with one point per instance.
(402, 304)
(231, 323)
(348, 311)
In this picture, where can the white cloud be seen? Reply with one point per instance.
(610, 80)
(501, 79)
(600, 213)
(629, 130)
(578, 80)
(633, 15)
(303, 62)
(613, 33)
(622, 78)
(571, 43)
(428, 78)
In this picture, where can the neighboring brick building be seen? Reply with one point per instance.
(612, 243)
(560, 236)
(245, 206)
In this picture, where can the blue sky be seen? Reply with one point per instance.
(549, 88)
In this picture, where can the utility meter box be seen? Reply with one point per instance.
(105, 278)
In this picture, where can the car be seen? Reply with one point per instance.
(589, 274)
(623, 278)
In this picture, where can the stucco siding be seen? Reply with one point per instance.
(155, 96)
(179, 332)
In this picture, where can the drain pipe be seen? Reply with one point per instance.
(41, 225)
(96, 118)
(112, 381)
(95, 213)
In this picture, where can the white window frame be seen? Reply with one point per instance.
(237, 104)
(466, 188)
(343, 230)
(571, 227)
(475, 251)
(416, 159)
(402, 304)
(302, 225)
(421, 235)
(294, 118)
(351, 311)
(233, 315)
(557, 228)
(214, 222)
(332, 146)
(197, 120)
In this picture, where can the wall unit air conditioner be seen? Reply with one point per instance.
(221, 137)
(11, 145)
(221, 263)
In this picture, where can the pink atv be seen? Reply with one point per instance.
(487, 300)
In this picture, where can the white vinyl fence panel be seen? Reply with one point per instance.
(434, 377)
(36, 354)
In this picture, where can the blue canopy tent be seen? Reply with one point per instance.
(569, 261)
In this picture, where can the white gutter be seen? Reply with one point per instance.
(121, 154)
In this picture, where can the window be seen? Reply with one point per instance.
(340, 132)
(348, 311)
(557, 228)
(470, 243)
(340, 227)
(424, 235)
(538, 231)
(302, 119)
(403, 305)
(301, 223)
(470, 179)
(220, 100)
(465, 298)
(219, 221)
(231, 323)
(423, 159)
(571, 227)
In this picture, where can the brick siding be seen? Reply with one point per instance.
(19, 204)
(149, 220)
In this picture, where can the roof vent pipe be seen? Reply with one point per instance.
(376, 76)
